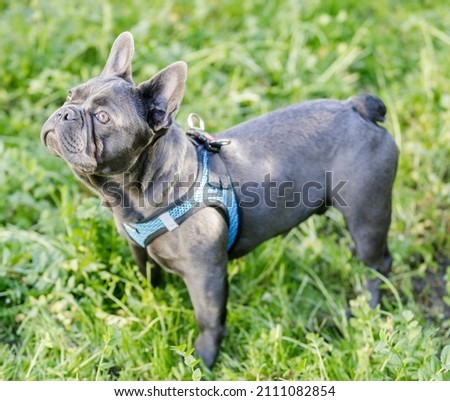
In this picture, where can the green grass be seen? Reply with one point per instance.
(72, 303)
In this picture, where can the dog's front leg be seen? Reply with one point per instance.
(208, 289)
(197, 251)
(141, 257)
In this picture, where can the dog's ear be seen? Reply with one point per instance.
(163, 94)
(119, 60)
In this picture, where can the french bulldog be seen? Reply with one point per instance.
(121, 140)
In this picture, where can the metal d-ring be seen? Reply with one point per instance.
(198, 120)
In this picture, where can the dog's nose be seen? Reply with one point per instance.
(67, 114)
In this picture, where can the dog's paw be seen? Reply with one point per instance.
(207, 347)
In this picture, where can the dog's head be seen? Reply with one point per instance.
(107, 122)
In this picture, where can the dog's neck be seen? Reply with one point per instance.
(164, 171)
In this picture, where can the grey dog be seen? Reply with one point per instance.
(122, 142)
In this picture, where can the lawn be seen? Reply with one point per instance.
(72, 302)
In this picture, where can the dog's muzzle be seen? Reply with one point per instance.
(67, 135)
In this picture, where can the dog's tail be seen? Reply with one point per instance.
(369, 106)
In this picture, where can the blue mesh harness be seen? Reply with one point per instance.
(204, 193)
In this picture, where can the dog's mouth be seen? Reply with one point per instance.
(50, 141)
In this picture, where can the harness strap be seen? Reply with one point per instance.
(212, 187)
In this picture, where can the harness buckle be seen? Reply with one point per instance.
(197, 132)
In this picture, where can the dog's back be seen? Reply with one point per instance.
(292, 154)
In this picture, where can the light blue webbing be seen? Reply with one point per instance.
(204, 194)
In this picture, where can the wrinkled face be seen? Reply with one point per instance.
(106, 123)
(101, 128)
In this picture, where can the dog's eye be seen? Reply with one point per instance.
(102, 116)
(69, 96)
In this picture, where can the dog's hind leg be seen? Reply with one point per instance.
(369, 233)
(367, 212)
